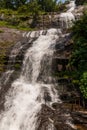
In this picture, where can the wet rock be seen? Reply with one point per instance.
(13, 64)
(80, 118)
(56, 116)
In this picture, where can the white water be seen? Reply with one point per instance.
(68, 17)
(27, 94)
(71, 6)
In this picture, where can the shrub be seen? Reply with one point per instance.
(79, 53)
(83, 84)
(1, 31)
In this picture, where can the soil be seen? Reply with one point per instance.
(9, 35)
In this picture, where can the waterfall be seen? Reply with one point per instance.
(34, 86)
(71, 6)
(66, 19)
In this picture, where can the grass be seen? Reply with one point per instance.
(1, 31)
(3, 23)
(6, 24)
(17, 20)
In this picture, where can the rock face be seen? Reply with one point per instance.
(52, 115)
(63, 20)
(80, 118)
(66, 89)
(8, 38)
(56, 116)
(13, 64)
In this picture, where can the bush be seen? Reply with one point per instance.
(83, 84)
(1, 31)
(79, 54)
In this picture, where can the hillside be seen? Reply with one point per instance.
(43, 69)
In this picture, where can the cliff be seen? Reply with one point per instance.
(70, 95)
(8, 38)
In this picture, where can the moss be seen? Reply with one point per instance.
(4, 46)
(7, 11)
(17, 66)
(1, 31)
(20, 27)
(3, 23)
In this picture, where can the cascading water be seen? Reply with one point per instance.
(68, 17)
(71, 6)
(27, 94)
(35, 85)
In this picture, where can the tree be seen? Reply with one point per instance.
(7, 3)
(47, 5)
(83, 85)
(79, 54)
(18, 3)
(80, 2)
(12, 4)
(34, 8)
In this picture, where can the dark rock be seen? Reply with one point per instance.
(80, 118)
(13, 64)
(56, 118)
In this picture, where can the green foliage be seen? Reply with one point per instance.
(80, 28)
(8, 12)
(25, 5)
(17, 66)
(1, 31)
(79, 54)
(3, 23)
(4, 46)
(80, 2)
(24, 14)
(61, 7)
(12, 4)
(83, 84)
(23, 9)
(47, 5)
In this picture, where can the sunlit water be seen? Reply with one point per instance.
(27, 94)
(68, 17)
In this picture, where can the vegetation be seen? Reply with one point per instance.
(77, 67)
(81, 2)
(24, 14)
(4, 46)
(83, 84)
(1, 31)
(45, 5)
(79, 54)
(17, 66)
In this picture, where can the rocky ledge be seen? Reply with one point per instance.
(60, 118)
(56, 117)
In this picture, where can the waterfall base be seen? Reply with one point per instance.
(54, 118)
